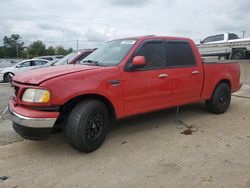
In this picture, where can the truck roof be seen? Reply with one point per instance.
(155, 37)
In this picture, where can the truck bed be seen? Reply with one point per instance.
(212, 72)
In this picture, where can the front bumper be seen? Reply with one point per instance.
(32, 124)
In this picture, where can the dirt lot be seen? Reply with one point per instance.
(143, 151)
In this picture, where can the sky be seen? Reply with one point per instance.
(61, 22)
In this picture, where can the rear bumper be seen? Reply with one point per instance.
(31, 124)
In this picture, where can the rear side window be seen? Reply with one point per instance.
(232, 36)
(179, 54)
(38, 62)
(25, 64)
(154, 54)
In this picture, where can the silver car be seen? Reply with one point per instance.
(7, 73)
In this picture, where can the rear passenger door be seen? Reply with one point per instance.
(185, 73)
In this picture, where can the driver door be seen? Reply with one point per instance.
(148, 88)
(22, 67)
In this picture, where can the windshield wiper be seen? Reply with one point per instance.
(90, 62)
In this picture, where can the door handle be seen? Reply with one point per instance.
(195, 72)
(163, 75)
(114, 82)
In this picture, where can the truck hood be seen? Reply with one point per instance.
(37, 76)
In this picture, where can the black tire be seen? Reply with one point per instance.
(239, 54)
(87, 125)
(7, 77)
(220, 99)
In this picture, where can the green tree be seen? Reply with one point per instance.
(1, 52)
(12, 46)
(69, 50)
(37, 48)
(50, 51)
(60, 50)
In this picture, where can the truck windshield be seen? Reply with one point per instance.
(111, 53)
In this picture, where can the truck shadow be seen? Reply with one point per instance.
(159, 119)
(132, 125)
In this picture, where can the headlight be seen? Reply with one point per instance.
(36, 95)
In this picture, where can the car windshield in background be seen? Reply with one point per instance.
(110, 54)
(67, 59)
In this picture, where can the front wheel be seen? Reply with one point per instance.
(8, 77)
(87, 125)
(220, 99)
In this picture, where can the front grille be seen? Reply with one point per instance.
(16, 89)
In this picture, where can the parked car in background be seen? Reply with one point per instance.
(74, 57)
(122, 78)
(227, 45)
(6, 74)
(50, 57)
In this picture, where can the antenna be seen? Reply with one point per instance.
(243, 34)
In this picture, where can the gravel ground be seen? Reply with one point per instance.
(7, 135)
(143, 151)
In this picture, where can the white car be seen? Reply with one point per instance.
(7, 73)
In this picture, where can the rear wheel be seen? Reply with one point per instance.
(239, 54)
(87, 125)
(8, 77)
(220, 99)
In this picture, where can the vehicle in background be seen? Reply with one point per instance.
(122, 78)
(50, 57)
(227, 45)
(74, 57)
(6, 74)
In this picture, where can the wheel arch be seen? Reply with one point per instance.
(6, 73)
(226, 81)
(243, 49)
(66, 108)
(211, 90)
(9, 72)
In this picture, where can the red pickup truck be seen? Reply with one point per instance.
(122, 78)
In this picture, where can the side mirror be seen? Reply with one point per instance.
(138, 61)
(201, 41)
(18, 66)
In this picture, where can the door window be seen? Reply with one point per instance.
(154, 54)
(218, 38)
(38, 63)
(24, 64)
(179, 54)
(209, 39)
